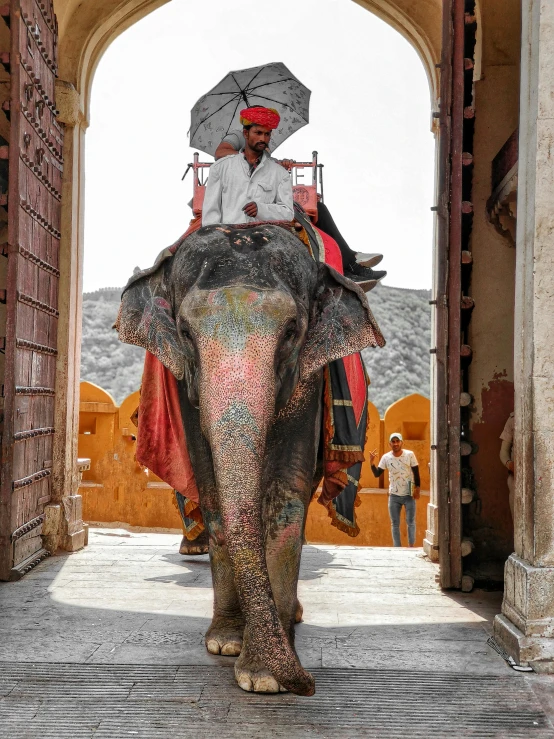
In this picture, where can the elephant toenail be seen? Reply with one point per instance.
(266, 684)
(213, 646)
(245, 684)
(231, 649)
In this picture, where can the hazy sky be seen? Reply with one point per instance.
(369, 120)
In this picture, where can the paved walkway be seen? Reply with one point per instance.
(131, 599)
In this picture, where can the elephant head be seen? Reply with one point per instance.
(247, 317)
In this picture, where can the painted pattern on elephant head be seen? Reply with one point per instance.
(234, 334)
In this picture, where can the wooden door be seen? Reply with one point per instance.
(448, 291)
(30, 202)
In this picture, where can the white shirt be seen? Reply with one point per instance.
(230, 188)
(400, 471)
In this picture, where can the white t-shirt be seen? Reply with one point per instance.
(400, 471)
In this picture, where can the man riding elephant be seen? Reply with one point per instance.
(251, 186)
(247, 188)
(357, 266)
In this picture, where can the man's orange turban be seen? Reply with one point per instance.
(258, 115)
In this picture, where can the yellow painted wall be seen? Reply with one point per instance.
(372, 516)
(117, 488)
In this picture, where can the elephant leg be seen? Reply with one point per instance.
(283, 551)
(225, 634)
(288, 479)
(197, 546)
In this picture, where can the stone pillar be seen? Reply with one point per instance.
(526, 626)
(431, 539)
(65, 515)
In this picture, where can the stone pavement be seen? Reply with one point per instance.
(372, 615)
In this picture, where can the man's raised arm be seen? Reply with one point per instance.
(225, 149)
(211, 209)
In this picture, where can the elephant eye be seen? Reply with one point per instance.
(290, 331)
(185, 333)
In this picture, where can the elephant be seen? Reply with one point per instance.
(246, 320)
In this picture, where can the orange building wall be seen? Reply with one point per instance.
(372, 516)
(118, 489)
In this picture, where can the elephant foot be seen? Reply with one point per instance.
(253, 677)
(298, 612)
(200, 545)
(225, 637)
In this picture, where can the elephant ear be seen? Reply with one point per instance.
(146, 316)
(341, 322)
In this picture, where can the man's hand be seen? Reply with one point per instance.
(510, 465)
(251, 209)
(373, 456)
(417, 492)
(286, 163)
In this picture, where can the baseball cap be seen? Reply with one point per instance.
(396, 435)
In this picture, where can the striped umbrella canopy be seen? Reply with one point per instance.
(271, 85)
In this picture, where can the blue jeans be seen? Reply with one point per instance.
(395, 505)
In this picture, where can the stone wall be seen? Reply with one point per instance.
(491, 331)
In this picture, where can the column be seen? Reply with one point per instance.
(64, 525)
(526, 626)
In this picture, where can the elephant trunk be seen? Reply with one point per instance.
(237, 402)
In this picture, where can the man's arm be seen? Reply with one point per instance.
(211, 209)
(377, 471)
(225, 149)
(282, 209)
(417, 481)
(506, 454)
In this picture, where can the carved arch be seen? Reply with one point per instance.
(88, 27)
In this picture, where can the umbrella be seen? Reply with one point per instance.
(271, 85)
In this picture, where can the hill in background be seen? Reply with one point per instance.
(400, 368)
(107, 362)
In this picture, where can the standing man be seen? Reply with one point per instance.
(404, 485)
(251, 186)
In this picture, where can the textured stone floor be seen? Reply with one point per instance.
(131, 599)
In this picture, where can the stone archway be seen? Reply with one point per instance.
(86, 29)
